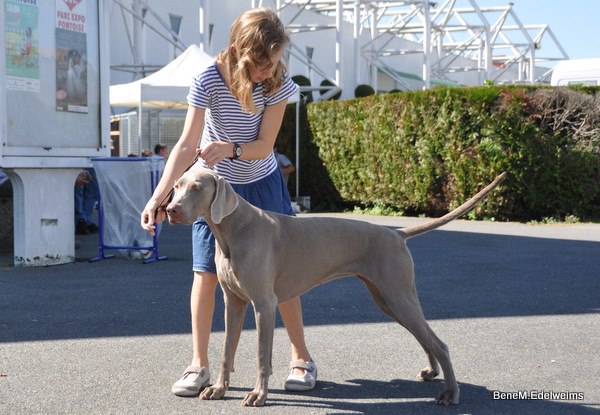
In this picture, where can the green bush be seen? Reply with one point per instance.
(426, 152)
(362, 91)
(326, 82)
(302, 80)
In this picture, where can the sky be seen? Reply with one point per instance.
(575, 23)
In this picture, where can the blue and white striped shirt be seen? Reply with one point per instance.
(225, 121)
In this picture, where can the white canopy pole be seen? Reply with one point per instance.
(426, 45)
(140, 109)
(203, 11)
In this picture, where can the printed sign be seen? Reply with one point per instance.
(21, 45)
(71, 56)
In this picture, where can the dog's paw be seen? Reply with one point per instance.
(213, 392)
(449, 396)
(255, 398)
(427, 374)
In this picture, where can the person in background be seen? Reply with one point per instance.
(236, 106)
(160, 150)
(5, 185)
(284, 163)
(82, 179)
(86, 196)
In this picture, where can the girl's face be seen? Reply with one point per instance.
(258, 73)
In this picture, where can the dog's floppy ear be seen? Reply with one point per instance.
(224, 202)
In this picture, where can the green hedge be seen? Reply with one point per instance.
(426, 152)
(314, 178)
(363, 90)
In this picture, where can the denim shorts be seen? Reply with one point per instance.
(269, 193)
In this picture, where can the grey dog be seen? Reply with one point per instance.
(267, 258)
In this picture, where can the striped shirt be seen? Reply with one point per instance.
(224, 120)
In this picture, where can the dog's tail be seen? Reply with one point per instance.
(459, 211)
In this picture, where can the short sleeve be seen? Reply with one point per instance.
(198, 95)
(288, 89)
(284, 160)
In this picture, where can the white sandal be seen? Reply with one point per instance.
(194, 378)
(303, 382)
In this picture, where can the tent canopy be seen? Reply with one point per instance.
(166, 88)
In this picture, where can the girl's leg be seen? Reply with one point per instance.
(291, 314)
(202, 304)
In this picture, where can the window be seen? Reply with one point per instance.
(175, 22)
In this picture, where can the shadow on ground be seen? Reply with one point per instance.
(416, 398)
(459, 275)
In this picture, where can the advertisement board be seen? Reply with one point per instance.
(53, 88)
(54, 116)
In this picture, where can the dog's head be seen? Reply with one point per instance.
(201, 192)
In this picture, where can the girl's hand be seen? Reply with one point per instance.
(215, 151)
(148, 219)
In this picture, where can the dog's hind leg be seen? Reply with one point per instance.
(378, 298)
(411, 317)
(430, 372)
(407, 311)
(235, 310)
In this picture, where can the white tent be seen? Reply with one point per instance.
(166, 88)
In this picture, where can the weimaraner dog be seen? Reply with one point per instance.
(267, 258)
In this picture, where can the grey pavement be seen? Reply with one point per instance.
(517, 305)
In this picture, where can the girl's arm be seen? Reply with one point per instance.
(180, 158)
(258, 149)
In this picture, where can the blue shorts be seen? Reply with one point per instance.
(269, 193)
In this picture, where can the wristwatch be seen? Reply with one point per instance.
(237, 151)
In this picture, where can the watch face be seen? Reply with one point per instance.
(238, 151)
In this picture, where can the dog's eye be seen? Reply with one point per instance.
(197, 186)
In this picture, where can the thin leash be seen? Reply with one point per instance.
(162, 207)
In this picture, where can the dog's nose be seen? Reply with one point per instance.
(173, 209)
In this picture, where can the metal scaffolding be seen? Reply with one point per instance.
(452, 36)
(143, 17)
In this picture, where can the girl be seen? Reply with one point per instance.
(237, 106)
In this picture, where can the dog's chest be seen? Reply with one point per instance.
(228, 278)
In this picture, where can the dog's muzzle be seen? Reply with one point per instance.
(175, 214)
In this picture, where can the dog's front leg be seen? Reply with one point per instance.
(264, 312)
(235, 310)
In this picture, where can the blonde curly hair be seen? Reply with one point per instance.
(255, 36)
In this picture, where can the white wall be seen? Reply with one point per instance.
(157, 50)
(221, 14)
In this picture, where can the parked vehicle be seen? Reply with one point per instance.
(576, 72)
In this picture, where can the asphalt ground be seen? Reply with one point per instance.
(517, 305)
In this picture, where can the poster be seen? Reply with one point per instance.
(71, 56)
(21, 45)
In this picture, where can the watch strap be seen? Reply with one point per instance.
(237, 151)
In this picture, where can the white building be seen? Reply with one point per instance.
(389, 45)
